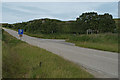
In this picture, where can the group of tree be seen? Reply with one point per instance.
(91, 20)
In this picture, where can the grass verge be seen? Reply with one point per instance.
(21, 60)
(105, 42)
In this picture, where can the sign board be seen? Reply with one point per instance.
(20, 31)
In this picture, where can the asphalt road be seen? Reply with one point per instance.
(101, 64)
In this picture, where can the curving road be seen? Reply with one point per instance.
(101, 64)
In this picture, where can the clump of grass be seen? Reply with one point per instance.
(106, 42)
(12, 65)
(21, 60)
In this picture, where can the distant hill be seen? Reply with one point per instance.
(86, 21)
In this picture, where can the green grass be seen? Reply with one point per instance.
(0, 53)
(105, 42)
(21, 60)
(0, 34)
(0, 59)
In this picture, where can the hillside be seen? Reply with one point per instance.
(86, 21)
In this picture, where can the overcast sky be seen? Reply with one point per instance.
(13, 12)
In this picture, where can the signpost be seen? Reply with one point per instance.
(20, 32)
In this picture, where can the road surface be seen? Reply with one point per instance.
(101, 64)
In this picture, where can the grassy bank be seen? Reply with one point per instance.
(21, 60)
(105, 42)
